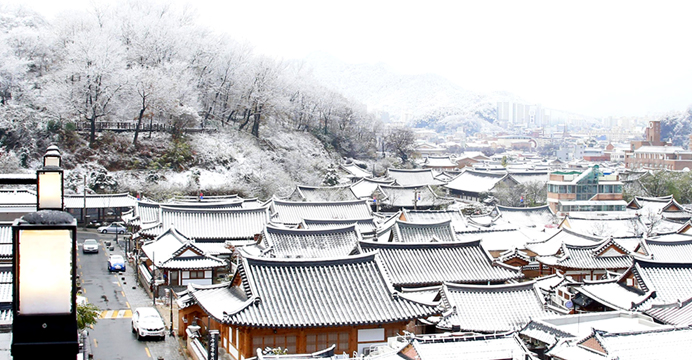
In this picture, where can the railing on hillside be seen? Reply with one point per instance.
(131, 126)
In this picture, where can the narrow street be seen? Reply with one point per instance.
(113, 293)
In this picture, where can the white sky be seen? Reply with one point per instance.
(591, 57)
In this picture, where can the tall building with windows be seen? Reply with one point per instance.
(588, 191)
(653, 153)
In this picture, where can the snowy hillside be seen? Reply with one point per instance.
(420, 100)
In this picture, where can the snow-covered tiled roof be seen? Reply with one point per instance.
(435, 216)
(311, 243)
(439, 162)
(341, 292)
(291, 212)
(492, 308)
(474, 181)
(613, 294)
(364, 188)
(356, 171)
(497, 240)
(624, 226)
(434, 263)
(17, 197)
(671, 282)
(537, 217)
(530, 177)
(411, 196)
(100, 201)
(607, 254)
(678, 313)
(486, 347)
(410, 232)
(227, 224)
(668, 343)
(413, 177)
(367, 227)
(663, 250)
(552, 244)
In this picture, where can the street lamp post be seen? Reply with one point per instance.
(44, 305)
(170, 296)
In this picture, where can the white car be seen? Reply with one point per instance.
(90, 246)
(146, 321)
(112, 229)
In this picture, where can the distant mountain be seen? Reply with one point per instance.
(425, 100)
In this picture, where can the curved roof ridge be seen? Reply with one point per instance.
(519, 286)
(255, 260)
(442, 244)
(278, 229)
(317, 203)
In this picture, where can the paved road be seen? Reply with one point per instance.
(112, 338)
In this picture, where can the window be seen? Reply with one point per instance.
(275, 341)
(316, 342)
(196, 274)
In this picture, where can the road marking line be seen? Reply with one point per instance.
(95, 343)
(83, 291)
(120, 315)
(116, 314)
(122, 292)
(128, 304)
(148, 353)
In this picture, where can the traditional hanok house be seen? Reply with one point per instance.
(180, 261)
(201, 198)
(450, 346)
(395, 198)
(365, 188)
(215, 232)
(335, 242)
(147, 214)
(292, 213)
(439, 163)
(520, 259)
(541, 335)
(473, 185)
(366, 227)
(435, 216)
(645, 284)
(673, 248)
(322, 193)
(553, 243)
(413, 177)
(430, 264)
(491, 308)
(303, 305)
(627, 229)
(470, 159)
(660, 214)
(99, 207)
(669, 343)
(587, 262)
(404, 231)
(15, 203)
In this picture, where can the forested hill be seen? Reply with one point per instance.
(144, 65)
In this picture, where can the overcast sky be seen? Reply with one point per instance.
(591, 57)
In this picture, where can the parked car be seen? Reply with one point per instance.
(90, 246)
(146, 321)
(116, 263)
(113, 228)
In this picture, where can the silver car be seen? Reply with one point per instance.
(112, 229)
(90, 246)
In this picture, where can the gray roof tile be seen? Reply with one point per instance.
(434, 263)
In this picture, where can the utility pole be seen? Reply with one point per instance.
(153, 278)
(84, 217)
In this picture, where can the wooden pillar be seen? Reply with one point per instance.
(353, 340)
(301, 342)
(248, 351)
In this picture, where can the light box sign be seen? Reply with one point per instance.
(50, 190)
(45, 272)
